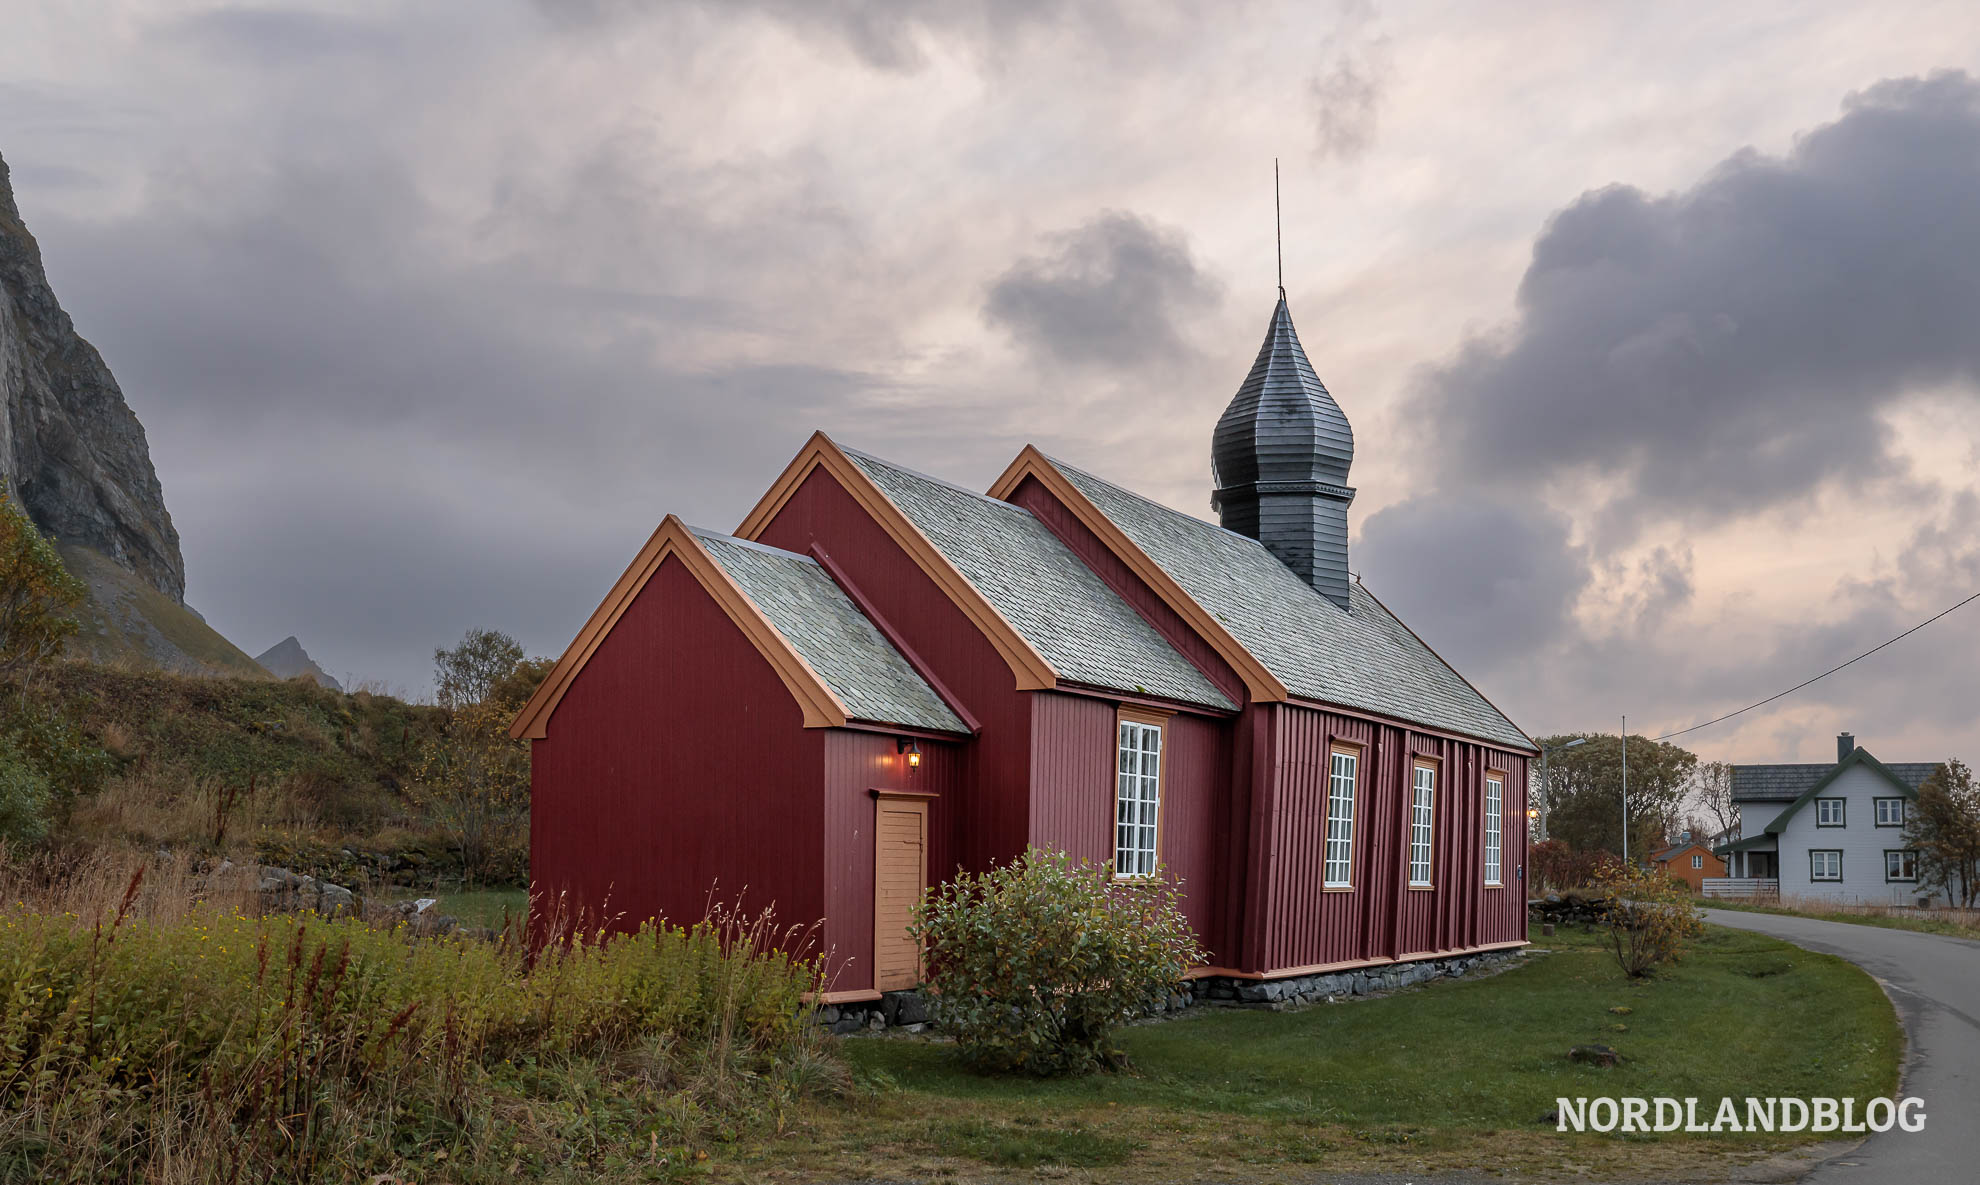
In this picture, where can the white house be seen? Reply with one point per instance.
(1828, 831)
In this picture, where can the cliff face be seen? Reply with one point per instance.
(70, 448)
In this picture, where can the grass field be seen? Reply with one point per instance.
(1958, 923)
(478, 907)
(1451, 1075)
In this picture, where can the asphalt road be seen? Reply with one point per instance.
(1935, 982)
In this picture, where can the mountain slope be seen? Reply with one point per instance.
(286, 659)
(75, 457)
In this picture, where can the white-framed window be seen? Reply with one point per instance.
(1824, 864)
(1342, 767)
(1829, 812)
(1495, 802)
(1422, 817)
(1697, 861)
(1901, 865)
(1890, 812)
(1137, 798)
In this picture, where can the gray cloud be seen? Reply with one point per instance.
(276, 38)
(1520, 575)
(1113, 292)
(1733, 347)
(887, 34)
(1347, 90)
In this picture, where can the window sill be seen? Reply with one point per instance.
(1337, 888)
(1422, 888)
(1495, 884)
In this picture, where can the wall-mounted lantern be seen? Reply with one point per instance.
(912, 750)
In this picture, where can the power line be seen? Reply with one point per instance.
(1825, 674)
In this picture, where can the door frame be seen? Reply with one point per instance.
(884, 800)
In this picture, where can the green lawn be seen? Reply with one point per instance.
(1961, 925)
(1442, 1076)
(477, 907)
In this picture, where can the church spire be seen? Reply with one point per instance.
(1280, 459)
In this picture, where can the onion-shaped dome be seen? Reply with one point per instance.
(1282, 425)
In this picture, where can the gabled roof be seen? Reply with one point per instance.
(871, 678)
(1269, 620)
(1859, 756)
(1785, 783)
(827, 654)
(1064, 610)
(1679, 850)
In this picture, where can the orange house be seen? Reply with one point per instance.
(1690, 862)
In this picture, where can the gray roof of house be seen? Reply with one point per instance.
(822, 624)
(1080, 626)
(1785, 783)
(1360, 657)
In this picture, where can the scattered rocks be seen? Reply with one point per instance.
(1595, 1055)
(287, 891)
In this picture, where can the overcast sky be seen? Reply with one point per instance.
(1656, 323)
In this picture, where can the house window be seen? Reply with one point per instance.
(1137, 798)
(1890, 812)
(1341, 769)
(1901, 866)
(1697, 861)
(1824, 865)
(1495, 799)
(1422, 813)
(1829, 812)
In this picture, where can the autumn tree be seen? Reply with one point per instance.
(1712, 791)
(1585, 794)
(473, 779)
(468, 673)
(1944, 826)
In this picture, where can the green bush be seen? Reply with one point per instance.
(1036, 962)
(24, 799)
(297, 1048)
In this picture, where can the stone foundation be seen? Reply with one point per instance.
(1364, 981)
(910, 1010)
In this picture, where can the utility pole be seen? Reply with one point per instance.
(1625, 759)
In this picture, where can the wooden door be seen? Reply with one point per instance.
(900, 872)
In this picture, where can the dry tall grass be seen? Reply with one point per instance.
(153, 1029)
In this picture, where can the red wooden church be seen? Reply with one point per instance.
(881, 677)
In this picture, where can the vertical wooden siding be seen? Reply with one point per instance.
(1302, 924)
(988, 820)
(677, 769)
(1073, 745)
(857, 763)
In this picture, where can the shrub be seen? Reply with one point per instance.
(1034, 963)
(1557, 866)
(23, 799)
(1650, 918)
(203, 1044)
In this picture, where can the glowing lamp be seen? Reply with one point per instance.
(913, 752)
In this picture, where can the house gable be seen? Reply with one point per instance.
(1028, 666)
(673, 540)
(1856, 757)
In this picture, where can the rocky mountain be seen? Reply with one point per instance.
(286, 659)
(74, 455)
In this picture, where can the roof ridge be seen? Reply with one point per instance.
(933, 480)
(711, 533)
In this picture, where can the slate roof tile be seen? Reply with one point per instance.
(1785, 783)
(1080, 626)
(1362, 657)
(823, 625)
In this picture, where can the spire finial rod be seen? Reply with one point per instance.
(1278, 228)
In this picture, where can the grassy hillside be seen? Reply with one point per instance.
(126, 621)
(281, 770)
